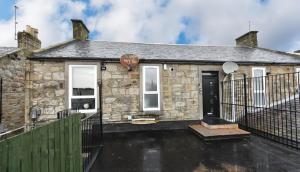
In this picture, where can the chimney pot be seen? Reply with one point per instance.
(248, 39)
(80, 31)
(28, 39)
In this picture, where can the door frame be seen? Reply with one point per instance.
(209, 68)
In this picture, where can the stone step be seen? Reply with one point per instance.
(141, 121)
(219, 126)
(217, 123)
(218, 134)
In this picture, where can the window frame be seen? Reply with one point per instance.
(260, 90)
(95, 96)
(151, 92)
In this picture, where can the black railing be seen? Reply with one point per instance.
(92, 137)
(268, 106)
(66, 113)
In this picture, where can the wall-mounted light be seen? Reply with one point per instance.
(103, 67)
(165, 67)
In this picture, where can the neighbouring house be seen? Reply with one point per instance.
(174, 82)
(13, 69)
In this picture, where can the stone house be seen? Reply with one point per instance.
(171, 82)
(14, 66)
(175, 82)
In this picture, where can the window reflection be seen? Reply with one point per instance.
(83, 104)
(151, 79)
(83, 81)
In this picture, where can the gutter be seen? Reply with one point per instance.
(114, 60)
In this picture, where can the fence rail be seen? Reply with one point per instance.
(268, 106)
(92, 137)
(54, 147)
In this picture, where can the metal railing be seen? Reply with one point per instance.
(268, 106)
(66, 113)
(92, 137)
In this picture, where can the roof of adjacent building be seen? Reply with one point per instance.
(8, 50)
(104, 50)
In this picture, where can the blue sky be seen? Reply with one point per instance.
(202, 22)
(6, 11)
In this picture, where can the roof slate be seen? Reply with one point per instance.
(164, 52)
(8, 50)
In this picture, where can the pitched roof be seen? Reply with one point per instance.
(8, 50)
(163, 52)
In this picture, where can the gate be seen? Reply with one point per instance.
(268, 106)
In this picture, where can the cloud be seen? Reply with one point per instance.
(51, 17)
(213, 22)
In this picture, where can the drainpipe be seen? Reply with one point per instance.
(100, 104)
(232, 91)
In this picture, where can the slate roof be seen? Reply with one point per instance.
(8, 50)
(163, 52)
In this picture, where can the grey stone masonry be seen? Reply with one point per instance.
(249, 39)
(122, 93)
(47, 87)
(28, 39)
(12, 71)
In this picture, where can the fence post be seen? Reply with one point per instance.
(245, 98)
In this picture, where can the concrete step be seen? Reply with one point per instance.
(142, 121)
(219, 126)
(218, 134)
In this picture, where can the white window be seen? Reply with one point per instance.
(83, 88)
(297, 75)
(151, 95)
(258, 84)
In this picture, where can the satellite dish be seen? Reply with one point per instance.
(230, 67)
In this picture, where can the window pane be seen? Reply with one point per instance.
(83, 104)
(151, 79)
(259, 99)
(258, 83)
(83, 81)
(151, 100)
(258, 72)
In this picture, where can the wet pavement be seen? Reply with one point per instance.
(182, 151)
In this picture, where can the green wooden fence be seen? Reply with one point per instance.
(55, 147)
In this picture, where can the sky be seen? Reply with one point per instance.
(201, 22)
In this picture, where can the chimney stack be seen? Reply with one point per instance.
(28, 39)
(248, 39)
(297, 52)
(80, 31)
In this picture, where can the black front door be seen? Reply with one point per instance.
(210, 85)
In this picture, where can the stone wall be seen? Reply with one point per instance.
(47, 87)
(12, 71)
(180, 95)
(122, 93)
